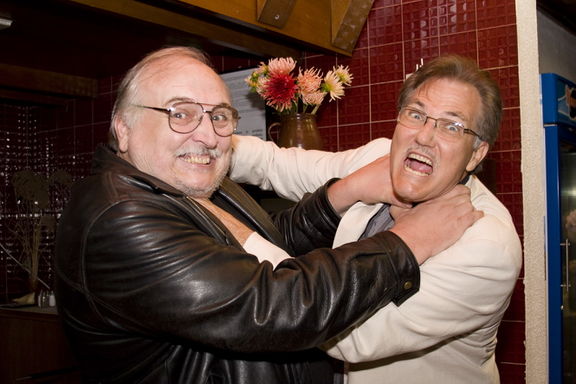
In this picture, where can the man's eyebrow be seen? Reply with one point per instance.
(418, 103)
(457, 115)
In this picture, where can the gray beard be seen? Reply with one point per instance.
(206, 192)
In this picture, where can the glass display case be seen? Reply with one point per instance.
(559, 112)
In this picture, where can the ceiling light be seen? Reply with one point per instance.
(5, 23)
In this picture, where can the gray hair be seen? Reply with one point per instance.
(129, 87)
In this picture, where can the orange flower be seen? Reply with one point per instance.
(309, 80)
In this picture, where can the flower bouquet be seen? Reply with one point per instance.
(288, 93)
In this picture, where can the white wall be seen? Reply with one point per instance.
(556, 48)
(532, 135)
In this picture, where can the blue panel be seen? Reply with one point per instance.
(558, 100)
(554, 257)
(556, 136)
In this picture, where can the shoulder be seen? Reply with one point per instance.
(492, 242)
(376, 148)
(365, 154)
(495, 213)
(110, 193)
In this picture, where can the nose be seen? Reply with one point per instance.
(205, 133)
(427, 133)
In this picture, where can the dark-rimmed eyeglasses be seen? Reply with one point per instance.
(445, 128)
(186, 116)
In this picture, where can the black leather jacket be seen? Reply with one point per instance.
(153, 289)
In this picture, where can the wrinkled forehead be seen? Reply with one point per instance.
(447, 95)
(426, 86)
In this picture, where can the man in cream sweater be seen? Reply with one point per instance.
(449, 116)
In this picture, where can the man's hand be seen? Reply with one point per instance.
(370, 184)
(433, 226)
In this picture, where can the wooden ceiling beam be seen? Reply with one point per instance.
(16, 77)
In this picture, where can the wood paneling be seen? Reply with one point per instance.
(196, 25)
(58, 47)
(274, 12)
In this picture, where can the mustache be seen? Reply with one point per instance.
(214, 153)
(421, 150)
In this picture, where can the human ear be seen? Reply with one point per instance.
(122, 134)
(477, 156)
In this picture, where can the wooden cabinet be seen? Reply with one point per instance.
(33, 348)
(254, 25)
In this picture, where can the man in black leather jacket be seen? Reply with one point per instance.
(157, 275)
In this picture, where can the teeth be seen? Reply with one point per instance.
(418, 165)
(407, 168)
(420, 158)
(197, 159)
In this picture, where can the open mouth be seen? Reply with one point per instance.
(196, 159)
(418, 165)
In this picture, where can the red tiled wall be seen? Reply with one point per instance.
(397, 35)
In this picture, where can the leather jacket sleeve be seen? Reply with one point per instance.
(311, 223)
(142, 265)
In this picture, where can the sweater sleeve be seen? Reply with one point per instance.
(292, 172)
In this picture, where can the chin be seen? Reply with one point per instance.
(408, 196)
(204, 189)
(200, 193)
(408, 191)
(199, 190)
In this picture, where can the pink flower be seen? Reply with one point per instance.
(281, 66)
(309, 80)
(314, 98)
(260, 86)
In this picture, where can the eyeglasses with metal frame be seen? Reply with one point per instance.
(186, 116)
(447, 129)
